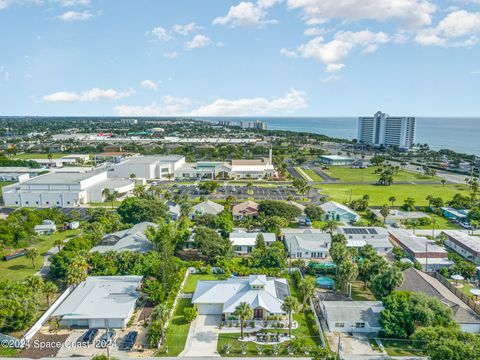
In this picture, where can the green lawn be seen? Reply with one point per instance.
(177, 331)
(379, 195)
(402, 348)
(301, 172)
(19, 268)
(192, 279)
(8, 352)
(347, 174)
(360, 293)
(440, 223)
(313, 175)
(38, 156)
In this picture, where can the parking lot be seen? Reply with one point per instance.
(241, 192)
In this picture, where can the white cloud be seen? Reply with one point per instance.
(333, 52)
(5, 73)
(412, 13)
(76, 16)
(7, 3)
(71, 3)
(314, 31)
(247, 14)
(150, 85)
(186, 29)
(331, 78)
(334, 67)
(174, 106)
(159, 33)
(170, 55)
(198, 41)
(288, 53)
(171, 106)
(292, 101)
(459, 28)
(91, 95)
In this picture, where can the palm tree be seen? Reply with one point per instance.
(77, 272)
(160, 314)
(290, 305)
(307, 289)
(385, 211)
(32, 254)
(34, 283)
(58, 243)
(443, 181)
(243, 311)
(169, 176)
(106, 194)
(392, 199)
(49, 289)
(114, 196)
(474, 224)
(330, 226)
(413, 225)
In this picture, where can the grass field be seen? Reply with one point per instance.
(38, 156)
(379, 195)
(193, 278)
(440, 223)
(301, 171)
(177, 331)
(360, 293)
(402, 348)
(19, 268)
(313, 175)
(347, 174)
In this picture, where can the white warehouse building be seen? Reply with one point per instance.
(64, 189)
(149, 167)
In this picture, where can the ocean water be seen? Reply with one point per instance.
(458, 134)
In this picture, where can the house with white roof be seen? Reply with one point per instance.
(360, 236)
(100, 302)
(399, 216)
(463, 244)
(204, 208)
(338, 212)
(264, 294)
(47, 227)
(174, 210)
(133, 239)
(352, 316)
(244, 242)
(308, 244)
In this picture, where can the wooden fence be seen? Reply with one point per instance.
(458, 293)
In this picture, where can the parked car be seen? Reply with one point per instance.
(308, 222)
(89, 336)
(106, 339)
(129, 341)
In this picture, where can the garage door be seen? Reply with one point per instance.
(209, 309)
(97, 324)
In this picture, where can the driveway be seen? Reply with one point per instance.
(202, 337)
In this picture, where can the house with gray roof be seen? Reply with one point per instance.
(204, 208)
(174, 209)
(308, 244)
(463, 244)
(360, 236)
(244, 242)
(100, 302)
(352, 316)
(338, 212)
(264, 294)
(417, 281)
(133, 239)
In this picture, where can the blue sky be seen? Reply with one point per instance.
(227, 58)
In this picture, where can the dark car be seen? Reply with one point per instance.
(106, 339)
(129, 340)
(89, 336)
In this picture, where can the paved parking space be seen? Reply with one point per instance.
(241, 192)
(202, 337)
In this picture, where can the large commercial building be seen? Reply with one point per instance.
(385, 130)
(64, 189)
(149, 167)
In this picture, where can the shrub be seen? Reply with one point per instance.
(190, 313)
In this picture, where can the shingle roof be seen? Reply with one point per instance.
(239, 238)
(208, 207)
(133, 239)
(417, 281)
(334, 206)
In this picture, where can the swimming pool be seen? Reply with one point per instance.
(325, 282)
